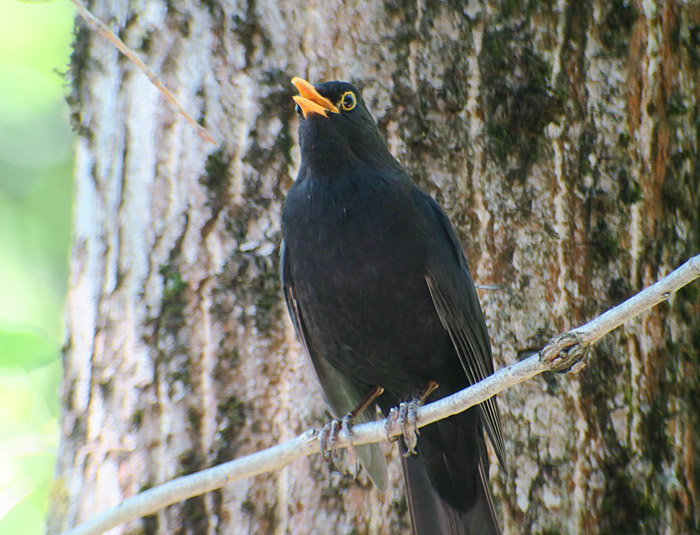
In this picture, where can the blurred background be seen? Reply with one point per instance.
(35, 221)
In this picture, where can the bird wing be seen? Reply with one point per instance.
(457, 304)
(340, 392)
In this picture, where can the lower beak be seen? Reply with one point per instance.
(310, 100)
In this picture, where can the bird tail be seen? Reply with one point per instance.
(447, 481)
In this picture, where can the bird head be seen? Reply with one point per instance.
(336, 128)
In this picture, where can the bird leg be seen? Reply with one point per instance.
(330, 432)
(403, 418)
(329, 439)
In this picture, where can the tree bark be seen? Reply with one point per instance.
(561, 138)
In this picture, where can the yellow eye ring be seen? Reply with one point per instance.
(348, 100)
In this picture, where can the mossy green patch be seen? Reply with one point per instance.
(271, 158)
(675, 105)
(146, 42)
(193, 513)
(678, 232)
(401, 517)
(270, 515)
(214, 8)
(173, 285)
(190, 461)
(691, 44)
(268, 291)
(193, 517)
(586, 141)
(181, 373)
(578, 17)
(656, 446)
(630, 190)
(178, 18)
(248, 506)
(150, 525)
(231, 417)
(552, 382)
(137, 418)
(233, 410)
(194, 418)
(334, 490)
(255, 279)
(604, 244)
(598, 383)
(173, 302)
(626, 505)
(250, 33)
(519, 100)
(677, 195)
(228, 357)
(619, 290)
(616, 29)
(80, 63)
(216, 179)
(687, 303)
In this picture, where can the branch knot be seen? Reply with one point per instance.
(564, 353)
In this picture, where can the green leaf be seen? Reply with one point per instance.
(25, 351)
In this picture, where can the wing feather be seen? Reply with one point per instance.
(340, 392)
(457, 305)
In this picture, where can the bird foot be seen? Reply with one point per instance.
(329, 445)
(404, 419)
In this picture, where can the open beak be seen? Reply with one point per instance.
(310, 100)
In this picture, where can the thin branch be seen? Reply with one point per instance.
(101, 28)
(561, 353)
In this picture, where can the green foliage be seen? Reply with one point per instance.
(35, 203)
(21, 351)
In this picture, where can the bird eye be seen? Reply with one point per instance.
(348, 101)
(300, 113)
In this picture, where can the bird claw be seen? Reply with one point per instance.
(329, 445)
(404, 419)
(346, 426)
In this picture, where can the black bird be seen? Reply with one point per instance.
(379, 292)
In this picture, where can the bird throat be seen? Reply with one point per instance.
(324, 154)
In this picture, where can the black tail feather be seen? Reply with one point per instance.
(447, 481)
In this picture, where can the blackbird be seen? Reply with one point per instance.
(378, 289)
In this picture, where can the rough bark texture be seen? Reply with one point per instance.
(562, 139)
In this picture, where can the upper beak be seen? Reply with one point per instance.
(310, 100)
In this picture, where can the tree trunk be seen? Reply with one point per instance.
(561, 138)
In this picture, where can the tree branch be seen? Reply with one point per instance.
(563, 353)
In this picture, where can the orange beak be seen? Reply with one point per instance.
(310, 100)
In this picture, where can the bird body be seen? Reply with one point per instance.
(384, 326)
(379, 292)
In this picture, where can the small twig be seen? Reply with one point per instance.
(101, 28)
(572, 344)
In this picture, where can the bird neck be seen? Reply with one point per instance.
(344, 165)
(335, 196)
(326, 153)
